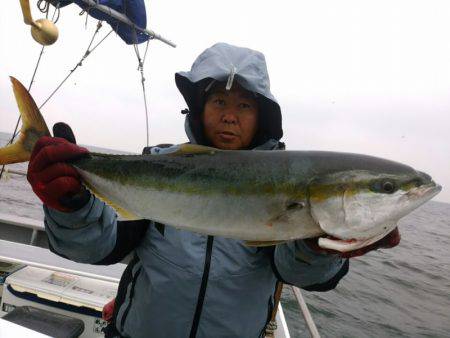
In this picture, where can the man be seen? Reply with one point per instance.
(179, 283)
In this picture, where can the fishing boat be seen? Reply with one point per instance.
(33, 277)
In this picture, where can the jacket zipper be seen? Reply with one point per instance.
(133, 284)
(202, 292)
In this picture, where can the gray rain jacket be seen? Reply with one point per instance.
(179, 283)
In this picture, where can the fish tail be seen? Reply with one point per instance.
(33, 127)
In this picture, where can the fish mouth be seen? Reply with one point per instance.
(426, 191)
(346, 245)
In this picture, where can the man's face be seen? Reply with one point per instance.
(230, 118)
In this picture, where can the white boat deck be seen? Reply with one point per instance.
(30, 255)
(22, 222)
(10, 330)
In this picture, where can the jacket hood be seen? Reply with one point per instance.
(227, 63)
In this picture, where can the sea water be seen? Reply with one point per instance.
(399, 292)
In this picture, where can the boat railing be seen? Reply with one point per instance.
(310, 324)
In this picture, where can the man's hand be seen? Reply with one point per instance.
(389, 241)
(56, 183)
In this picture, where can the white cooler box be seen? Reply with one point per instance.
(67, 294)
(6, 269)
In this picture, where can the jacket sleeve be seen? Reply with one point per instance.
(295, 263)
(92, 234)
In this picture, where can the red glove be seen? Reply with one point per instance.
(108, 310)
(54, 181)
(389, 241)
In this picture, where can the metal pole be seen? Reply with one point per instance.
(306, 314)
(34, 235)
(122, 18)
(16, 172)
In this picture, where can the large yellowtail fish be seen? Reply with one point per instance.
(262, 197)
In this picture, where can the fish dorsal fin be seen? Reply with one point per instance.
(192, 149)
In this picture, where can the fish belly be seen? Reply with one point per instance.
(250, 217)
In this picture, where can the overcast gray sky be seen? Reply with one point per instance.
(369, 77)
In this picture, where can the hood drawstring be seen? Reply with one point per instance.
(208, 87)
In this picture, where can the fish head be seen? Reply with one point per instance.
(356, 208)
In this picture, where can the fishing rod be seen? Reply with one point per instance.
(16, 172)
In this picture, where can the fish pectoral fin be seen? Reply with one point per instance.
(192, 149)
(263, 243)
(285, 215)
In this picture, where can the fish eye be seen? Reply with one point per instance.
(388, 187)
(384, 186)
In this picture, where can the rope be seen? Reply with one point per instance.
(18, 120)
(80, 63)
(86, 54)
(87, 17)
(146, 49)
(44, 6)
(141, 70)
(43, 9)
(57, 11)
(272, 325)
